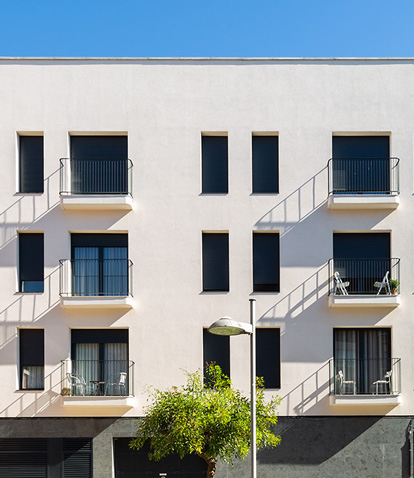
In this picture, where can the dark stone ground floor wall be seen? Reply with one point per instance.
(312, 447)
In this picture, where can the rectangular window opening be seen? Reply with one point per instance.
(215, 262)
(32, 359)
(268, 356)
(214, 164)
(266, 263)
(31, 164)
(31, 262)
(265, 164)
(216, 349)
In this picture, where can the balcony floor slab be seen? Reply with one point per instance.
(99, 401)
(363, 201)
(97, 302)
(364, 301)
(100, 202)
(370, 400)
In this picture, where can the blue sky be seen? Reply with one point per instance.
(159, 28)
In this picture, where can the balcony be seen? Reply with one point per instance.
(95, 283)
(105, 383)
(364, 282)
(365, 381)
(103, 184)
(363, 183)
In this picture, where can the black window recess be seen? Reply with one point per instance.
(216, 348)
(266, 262)
(32, 359)
(268, 356)
(265, 165)
(31, 164)
(214, 164)
(215, 262)
(31, 262)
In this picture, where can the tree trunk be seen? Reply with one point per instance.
(211, 470)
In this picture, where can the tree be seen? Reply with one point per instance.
(207, 418)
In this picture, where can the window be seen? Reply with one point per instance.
(268, 356)
(31, 164)
(363, 356)
(31, 262)
(100, 264)
(99, 164)
(215, 262)
(266, 262)
(216, 348)
(100, 355)
(214, 164)
(361, 164)
(362, 259)
(265, 164)
(32, 359)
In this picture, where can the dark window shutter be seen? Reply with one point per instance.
(31, 262)
(99, 336)
(99, 240)
(31, 164)
(99, 147)
(216, 348)
(369, 245)
(266, 262)
(265, 165)
(23, 458)
(268, 356)
(32, 347)
(360, 147)
(214, 164)
(215, 262)
(77, 458)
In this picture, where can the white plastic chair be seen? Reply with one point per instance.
(343, 382)
(384, 284)
(340, 285)
(76, 382)
(120, 383)
(385, 381)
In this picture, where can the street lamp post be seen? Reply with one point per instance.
(228, 326)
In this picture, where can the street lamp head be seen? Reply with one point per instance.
(228, 326)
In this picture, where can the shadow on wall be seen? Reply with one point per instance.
(32, 403)
(297, 206)
(27, 210)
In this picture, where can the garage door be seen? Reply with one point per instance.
(135, 464)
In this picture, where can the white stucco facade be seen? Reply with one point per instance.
(164, 106)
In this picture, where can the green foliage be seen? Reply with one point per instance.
(394, 284)
(210, 420)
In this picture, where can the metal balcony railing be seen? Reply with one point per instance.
(95, 176)
(363, 176)
(364, 276)
(86, 378)
(95, 278)
(372, 376)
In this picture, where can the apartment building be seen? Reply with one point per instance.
(143, 199)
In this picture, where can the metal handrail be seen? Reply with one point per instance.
(363, 176)
(95, 277)
(95, 176)
(365, 376)
(363, 276)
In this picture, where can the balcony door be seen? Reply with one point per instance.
(100, 355)
(361, 164)
(99, 164)
(363, 356)
(362, 259)
(100, 264)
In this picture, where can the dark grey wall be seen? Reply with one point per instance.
(312, 447)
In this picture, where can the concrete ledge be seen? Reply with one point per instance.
(101, 202)
(371, 400)
(97, 302)
(99, 401)
(364, 300)
(363, 201)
